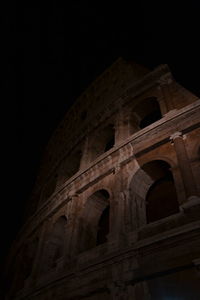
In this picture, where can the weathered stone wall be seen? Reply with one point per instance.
(106, 163)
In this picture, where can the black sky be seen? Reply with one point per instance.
(55, 51)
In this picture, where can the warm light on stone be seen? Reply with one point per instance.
(115, 213)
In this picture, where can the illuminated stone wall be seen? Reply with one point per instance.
(115, 210)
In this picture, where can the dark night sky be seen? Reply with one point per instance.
(54, 52)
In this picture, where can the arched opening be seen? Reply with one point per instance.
(161, 198)
(103, 141)
(146, 113)
(103, 226)
(70, 166)
(96, 218)
(110, 143)
(108, 137)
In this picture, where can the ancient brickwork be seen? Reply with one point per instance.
(115, 211)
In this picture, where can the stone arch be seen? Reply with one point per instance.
(174, 170)
(146, 112)
(102, 141)
(172, 163)
(99, 187)
(95, 220)
(153, 191)
(161, 198)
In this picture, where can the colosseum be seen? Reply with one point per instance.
(115, 212)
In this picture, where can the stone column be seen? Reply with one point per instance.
(162, 103)
(178, 182)
(165, 84)
(121, 128)
(184, 164)
(116, 235)
(126, 124)
(73, 228)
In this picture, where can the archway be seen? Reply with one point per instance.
(161, 198)
(102, 141)
(146, 113)
(103, 226)
(95, 220)
(153, 193)
(70, 165)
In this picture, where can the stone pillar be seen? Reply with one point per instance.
(126, 124)
(119, 200)
(184, 164)
(116, 237)
(121, 128)
(73, 229)
(128, 217)
(165, 84)
(162, 104)
(178, 182)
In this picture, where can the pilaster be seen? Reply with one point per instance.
(184, 164)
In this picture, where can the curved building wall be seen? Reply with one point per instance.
(115, 210)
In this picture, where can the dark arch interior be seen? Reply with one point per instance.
(96, 220)
(109, 137)
(148, 111)
(103, 193)
(70, 165)
(103, 140)
(110, 143)
(161, 199)
(73, 163)
(103, 226)
(150, 118)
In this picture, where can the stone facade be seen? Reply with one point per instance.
(115, 210)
